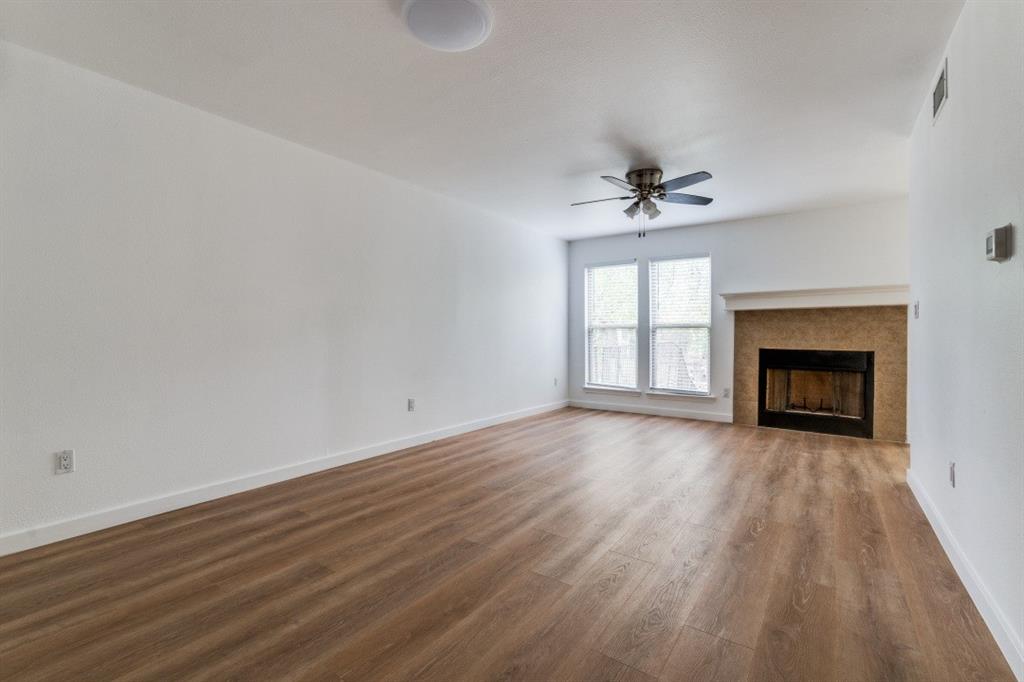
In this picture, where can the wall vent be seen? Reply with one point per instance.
(941, 92)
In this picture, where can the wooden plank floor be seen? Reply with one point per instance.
(576, 545)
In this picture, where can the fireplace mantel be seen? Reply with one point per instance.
(840, 297)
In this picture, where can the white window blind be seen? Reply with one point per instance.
(611, 325)
(681, 325)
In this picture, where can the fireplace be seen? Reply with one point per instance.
(827, 391)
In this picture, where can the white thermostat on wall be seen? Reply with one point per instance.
(997, 243)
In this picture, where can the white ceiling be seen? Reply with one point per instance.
(790, 105)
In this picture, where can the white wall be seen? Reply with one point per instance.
(188, 301)
(966, 351)
(840, 247)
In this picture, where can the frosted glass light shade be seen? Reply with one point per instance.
(448, 25)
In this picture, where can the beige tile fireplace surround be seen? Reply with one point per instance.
(882, 329)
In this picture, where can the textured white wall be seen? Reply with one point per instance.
(186, 300)
(966, 351)
(857, 245)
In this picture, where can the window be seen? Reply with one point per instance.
(681, 325)
(611, 325)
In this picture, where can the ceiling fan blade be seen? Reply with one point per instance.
(685, 199)
(686, 180)
(621, 184)
(594, 201)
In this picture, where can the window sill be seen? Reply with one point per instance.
(661, 395)
(612, 391)
(678, 394)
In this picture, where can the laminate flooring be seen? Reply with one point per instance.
(574, 545)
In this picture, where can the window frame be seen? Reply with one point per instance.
(635, 388)
(651, 326)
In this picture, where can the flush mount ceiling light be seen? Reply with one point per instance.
(448, 25)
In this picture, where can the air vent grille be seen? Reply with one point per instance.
(941, 92)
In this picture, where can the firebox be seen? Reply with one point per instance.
(828, 391)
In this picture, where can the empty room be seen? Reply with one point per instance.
(541, 340)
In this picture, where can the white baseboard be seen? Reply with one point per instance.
(653, 409)
(1002, 628)
(61, 530)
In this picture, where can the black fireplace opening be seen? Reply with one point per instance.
(827, 391)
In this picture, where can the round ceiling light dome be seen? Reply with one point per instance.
(448, 25)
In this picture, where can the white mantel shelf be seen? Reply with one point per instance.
(840, 297)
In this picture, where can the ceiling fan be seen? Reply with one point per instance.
(645, 186)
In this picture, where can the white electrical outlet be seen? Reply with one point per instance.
(952, 474)
(917, 309)
(725, 392)
(411, 405)
(64, 462)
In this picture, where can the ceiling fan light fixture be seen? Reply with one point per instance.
(645, 185)
(448, 25)
(650, 210)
